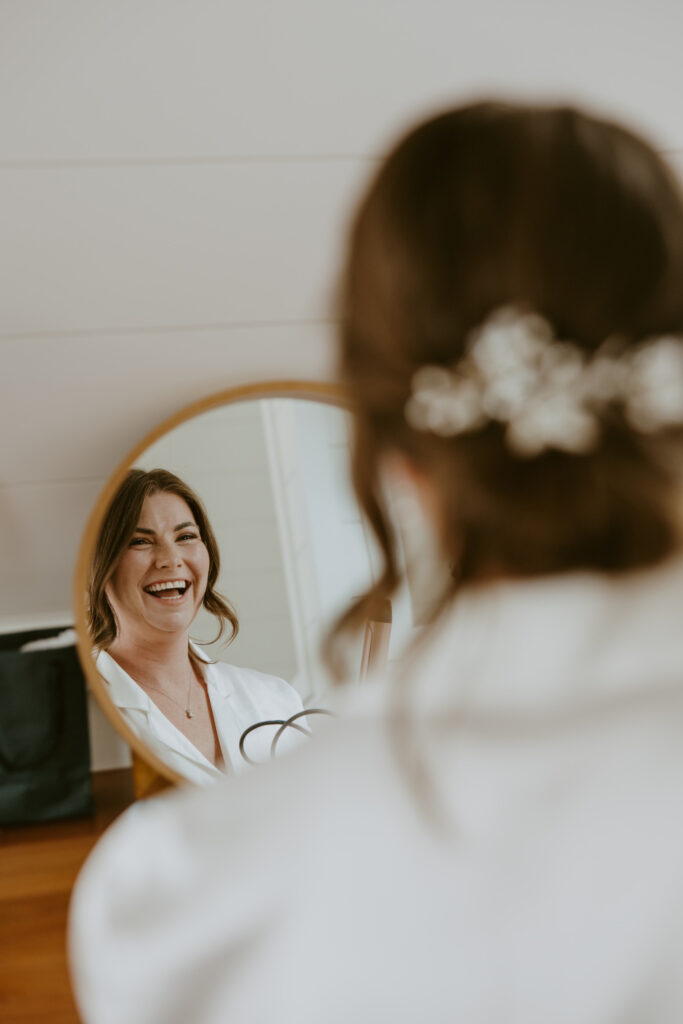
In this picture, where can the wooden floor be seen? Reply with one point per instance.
(38, 866)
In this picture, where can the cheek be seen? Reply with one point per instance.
(203, 569)
(122, 578)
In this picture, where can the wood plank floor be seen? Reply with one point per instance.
(38, 867)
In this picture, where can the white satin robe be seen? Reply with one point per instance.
(518, 861)
(239, 697)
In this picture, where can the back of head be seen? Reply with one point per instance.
(553, 211)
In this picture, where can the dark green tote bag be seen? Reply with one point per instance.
(44, 746)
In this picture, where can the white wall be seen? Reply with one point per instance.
(174, 181)
(327, 555)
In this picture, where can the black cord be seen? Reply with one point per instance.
(284, 724)
(292, 720)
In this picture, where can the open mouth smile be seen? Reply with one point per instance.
(168, 591)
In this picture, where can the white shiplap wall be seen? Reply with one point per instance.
(174, 181)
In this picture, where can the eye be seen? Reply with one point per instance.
(137, 542)
(188, 536)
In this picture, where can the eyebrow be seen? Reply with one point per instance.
(180, 526)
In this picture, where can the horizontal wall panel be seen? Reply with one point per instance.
(175, 184)
(258, 597)
(247, 548)
(73, 407)
(92, 79)
(145, 247)
(40, 530)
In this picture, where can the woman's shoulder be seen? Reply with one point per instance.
(121, 687)
(253, 683)
(248, 676)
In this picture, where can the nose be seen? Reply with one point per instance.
(168, 555)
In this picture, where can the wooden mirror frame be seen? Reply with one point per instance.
(150, 772)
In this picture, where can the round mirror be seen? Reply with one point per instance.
(268, 467)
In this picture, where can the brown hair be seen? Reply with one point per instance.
(486, 206)
(117, 529)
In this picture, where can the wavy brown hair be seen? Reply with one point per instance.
(115, 532)
(492, 205)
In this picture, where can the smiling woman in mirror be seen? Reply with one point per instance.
(156, 563)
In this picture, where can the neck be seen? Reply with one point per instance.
(161, 661)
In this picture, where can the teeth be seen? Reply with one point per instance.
(154, 588)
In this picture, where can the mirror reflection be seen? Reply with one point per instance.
(156, 564)
(228, 549)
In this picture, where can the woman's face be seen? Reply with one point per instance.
(166, 548)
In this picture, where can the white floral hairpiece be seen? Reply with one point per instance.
(548, 393)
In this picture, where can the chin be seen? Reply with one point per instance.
(172, 625)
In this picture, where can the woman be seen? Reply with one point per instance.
(156, 563)
(495, 837)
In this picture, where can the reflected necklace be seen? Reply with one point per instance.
(188, 703)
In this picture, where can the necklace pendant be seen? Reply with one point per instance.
(188, 713)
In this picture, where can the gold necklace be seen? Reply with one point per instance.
(188, 704)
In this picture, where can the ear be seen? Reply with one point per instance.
(409, 484)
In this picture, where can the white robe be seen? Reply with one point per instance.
(239, 697)
(546, 887)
